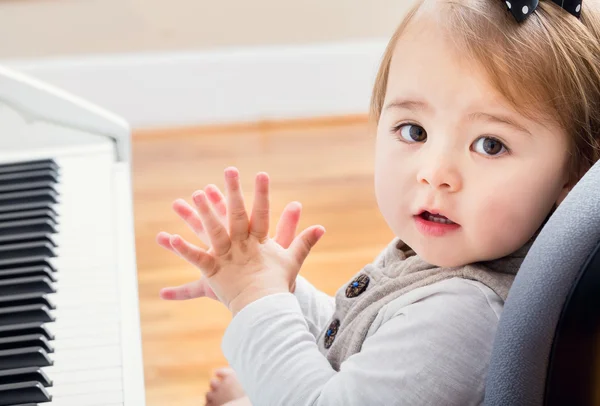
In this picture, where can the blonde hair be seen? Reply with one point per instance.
(547, 66)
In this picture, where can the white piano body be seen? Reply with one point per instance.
(69, 312)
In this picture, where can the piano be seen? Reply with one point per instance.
(69, 311)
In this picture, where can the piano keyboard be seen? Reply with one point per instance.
(60, 332)
(69, 311)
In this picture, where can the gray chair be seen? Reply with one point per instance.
(547, 347)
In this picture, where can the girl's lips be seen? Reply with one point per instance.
(433, 229)
(423, 210)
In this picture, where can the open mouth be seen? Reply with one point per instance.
(436, 218)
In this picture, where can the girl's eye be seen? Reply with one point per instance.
(489, 146)
(412, 132)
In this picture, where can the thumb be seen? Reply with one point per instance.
(190, 290)
(304, 242)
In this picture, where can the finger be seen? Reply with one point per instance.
(259, 220)
(191, 218)
(238, 218)
(193, 254)
(217, 234)
(224, 372)
(304, 242)
(217, 199)
(164, 240)
(288, 224)
(191, 290)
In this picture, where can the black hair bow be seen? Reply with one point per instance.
(521, 9)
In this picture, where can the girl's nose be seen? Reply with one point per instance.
(440, 172)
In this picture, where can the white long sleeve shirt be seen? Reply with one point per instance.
(430, 346)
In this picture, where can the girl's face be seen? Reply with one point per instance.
(448, 142)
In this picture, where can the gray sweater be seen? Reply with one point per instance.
(400, 332)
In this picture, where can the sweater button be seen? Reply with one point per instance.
(331, 333)
(357, 286)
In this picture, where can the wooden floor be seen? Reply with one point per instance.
(327, 166)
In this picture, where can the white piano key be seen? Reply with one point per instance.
(76, 262)
(112, 404)
(103, 356)
(64, 298)
(67, 303)
(75, 332)
(85, 375)
(86, 388)
(79, 284)
(85, 278)
(94, 399)
(97, 312)
(92, 324)
(99, 357)
(76, 291)
(107, 336)
(90, 311)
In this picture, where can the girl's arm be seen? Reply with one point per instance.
(317, 306)
(433, 350)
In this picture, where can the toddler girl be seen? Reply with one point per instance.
(487, 114)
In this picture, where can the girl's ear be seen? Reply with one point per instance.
(569, 185)
(563, 193)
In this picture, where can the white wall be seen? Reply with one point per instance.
(39, 28)
(187, 62)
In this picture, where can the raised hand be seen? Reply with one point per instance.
(242, 262)
(285, 233)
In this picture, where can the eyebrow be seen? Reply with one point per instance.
(406, 104)
(501, 120)
(419, 105)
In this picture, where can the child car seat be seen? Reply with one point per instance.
(547, 346)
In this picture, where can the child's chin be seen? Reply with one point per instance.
(441, 259)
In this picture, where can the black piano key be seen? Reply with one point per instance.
(27, 404)
(30, 340)
(26, 328)
(34, 199)
(29, 214)
(27, 230)
(25, 314)
(21, 261)
(14, 186)
(24, 357)
(23, 393)
(29, 176)
(29, 166)
(27, 271)
(27, 299)
(28, 173)
(27, 250)
(25, 204)
(43, 263)
(29, 243)
(18, 286)
(13, 181)
(31, 374)
(48, 192)
(23, 223)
